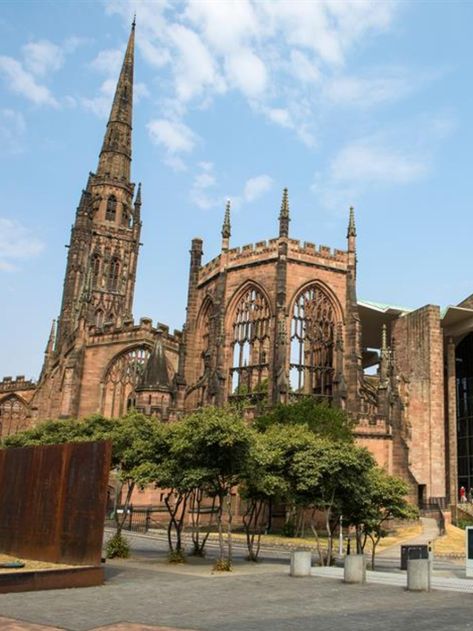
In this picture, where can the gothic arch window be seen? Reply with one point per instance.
(13, 415)
(114, 274)
(96, 263)
(250, 346)
(111, 208)
(312, 343)
(121, 379)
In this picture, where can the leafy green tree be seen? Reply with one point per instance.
(384, 498)
(323, 420)
(327, 478)
(217, 442)
(46, 433)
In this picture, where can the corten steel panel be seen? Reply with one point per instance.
(52, 501)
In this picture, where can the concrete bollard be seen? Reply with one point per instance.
(354, 570)
(301, 562)
(418, 575)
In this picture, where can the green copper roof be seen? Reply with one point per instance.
(382, 306)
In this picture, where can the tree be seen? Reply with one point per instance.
(384, 499)
(217, 442)
(262, 483)
(327, 477)
(320, 418)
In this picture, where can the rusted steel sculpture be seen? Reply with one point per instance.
(52, 501)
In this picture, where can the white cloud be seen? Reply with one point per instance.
(257, 186)
(100, 105)
(204, 180)
(247, 72)
(380, 161)
(16, 243)
(370, 163)
(12, 132)
(23, 83)
(195, 67)
(303, 68)
(287, 59)
(391, 84)
(108, 61)
(42, 57)
(174, 136)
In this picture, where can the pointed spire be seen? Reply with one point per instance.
(51, 339)
(226, 227)
(155, 375)
(284, 218)
(138, 196)
(137, 207)
(351, 232)
(115, 156)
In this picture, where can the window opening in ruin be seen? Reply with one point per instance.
(250, 346)
(121, 380)
(111, 208)
(312, 342)
(13, 415)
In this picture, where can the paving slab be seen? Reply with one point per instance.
(260, 601)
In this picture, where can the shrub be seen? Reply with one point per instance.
(117, 547)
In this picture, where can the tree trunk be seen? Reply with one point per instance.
(229, 526)
(220, 527)
(120, 519)
(198, 543)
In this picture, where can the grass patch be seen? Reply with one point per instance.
(453, 542)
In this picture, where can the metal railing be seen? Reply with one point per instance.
(139, 518)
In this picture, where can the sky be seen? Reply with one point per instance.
(363, 103)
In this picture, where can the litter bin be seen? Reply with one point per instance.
(413, 552)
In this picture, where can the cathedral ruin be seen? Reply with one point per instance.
(265, 323)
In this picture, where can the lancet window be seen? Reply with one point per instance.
(111, 211)
(114, 274)
(96, 270)
(312, 343)
(121, 379)
(13, 415)
(250, 346)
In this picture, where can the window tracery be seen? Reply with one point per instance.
(312, 342)
(121, 379)
(13, 415)
(250, 346)
(111, 208)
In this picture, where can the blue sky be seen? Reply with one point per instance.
(363, 103)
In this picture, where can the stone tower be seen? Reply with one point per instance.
(103, 251)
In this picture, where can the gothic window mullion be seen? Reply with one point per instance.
(312, 333)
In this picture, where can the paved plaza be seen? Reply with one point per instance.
(149, 595)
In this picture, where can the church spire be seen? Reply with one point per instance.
(226, 227)
(284, 218)
(115, 156)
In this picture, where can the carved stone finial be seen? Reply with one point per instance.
(226, 227)
(284, 218)
(351, 224)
